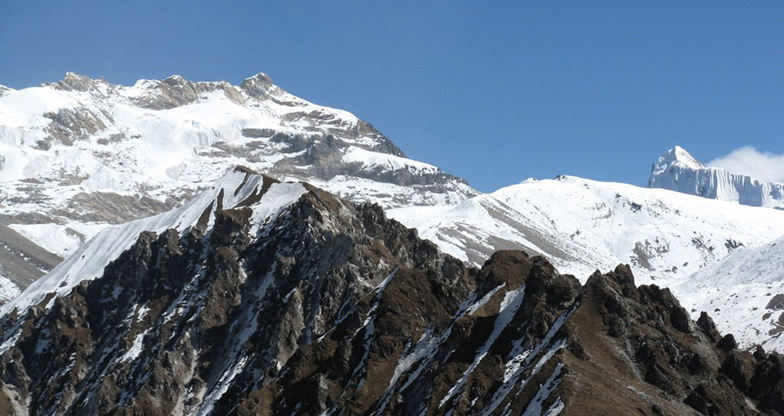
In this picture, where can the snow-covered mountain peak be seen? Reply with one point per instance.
(85, 127)
(176, 91)
(676, 155)
(260, 77)
(77, 82)
(677, 170)
(82, 153)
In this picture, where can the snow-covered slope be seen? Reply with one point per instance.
(82, 153)
(584, 225)
(238, 188)
(744, 294)
(165, 139)
(677, 170)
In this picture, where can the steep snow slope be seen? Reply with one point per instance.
(236, 189)
(677, 170)
(82, 153)
(744, 294)
(584, 225)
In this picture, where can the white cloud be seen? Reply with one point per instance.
(763, 166)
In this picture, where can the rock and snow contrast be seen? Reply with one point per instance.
(679, 171)
(191, 286)
(668, 238)
(280, 299)
(239, 188)
(82, 153)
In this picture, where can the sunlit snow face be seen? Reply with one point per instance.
(584, 225)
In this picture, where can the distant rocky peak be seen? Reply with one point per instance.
(259, 86)
(77, 82)
(171, 92)
(177, 81)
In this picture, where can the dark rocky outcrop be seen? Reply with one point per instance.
(331, 308)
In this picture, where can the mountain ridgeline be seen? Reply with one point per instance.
(269, 298)
(80, 155)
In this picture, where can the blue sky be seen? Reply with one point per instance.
(494, 93)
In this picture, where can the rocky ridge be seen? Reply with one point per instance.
(310, 304)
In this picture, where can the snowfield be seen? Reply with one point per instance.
(585, 225)
(716, 256)
(743, 293)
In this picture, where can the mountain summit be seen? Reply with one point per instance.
(677, 155)
(677, 170)
(82, 153)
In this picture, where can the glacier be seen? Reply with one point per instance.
(677, 170)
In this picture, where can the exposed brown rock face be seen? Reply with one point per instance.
(335, 309)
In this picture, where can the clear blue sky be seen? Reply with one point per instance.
(494, 92)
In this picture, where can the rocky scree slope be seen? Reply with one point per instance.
(315, 305)
(82, 153)
(677, 170)
(21, 262)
